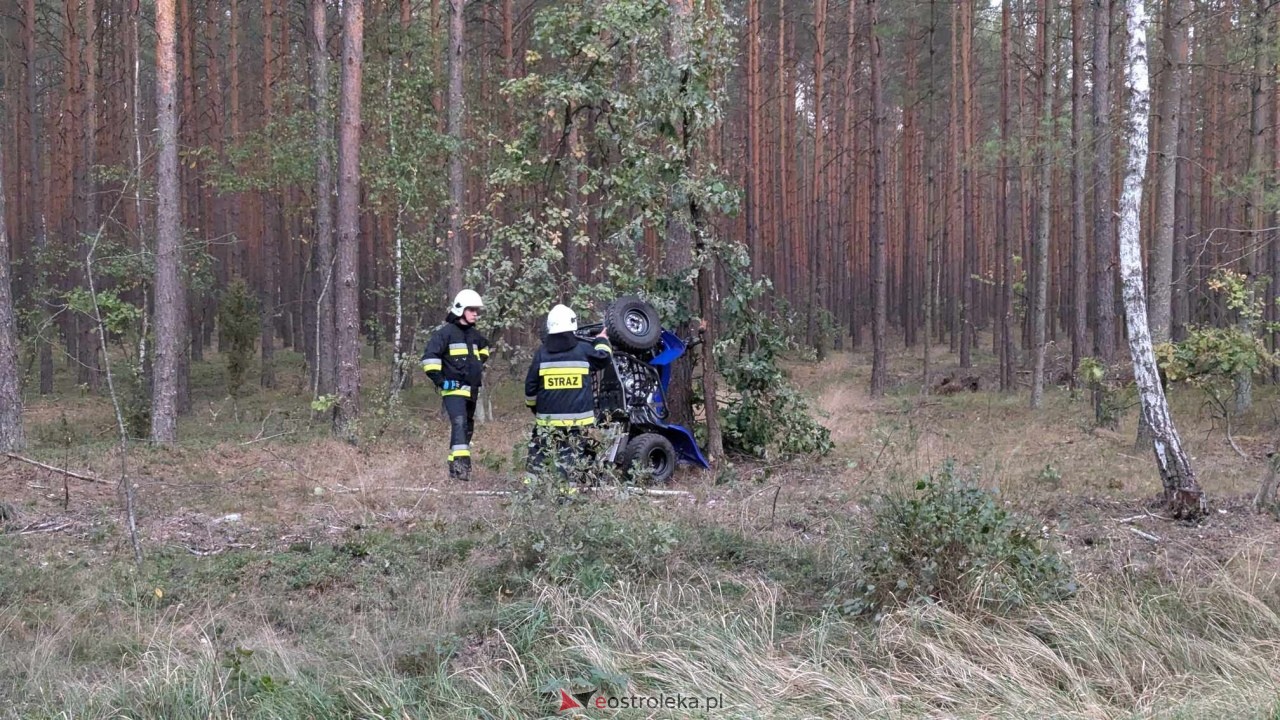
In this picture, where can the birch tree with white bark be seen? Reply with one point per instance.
(1181, 491)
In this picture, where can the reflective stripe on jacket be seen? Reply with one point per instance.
(456, 352)
(558, 386)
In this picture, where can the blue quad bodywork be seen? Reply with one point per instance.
(671, 349)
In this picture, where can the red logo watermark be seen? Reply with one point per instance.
(568, 702)
(582, 701)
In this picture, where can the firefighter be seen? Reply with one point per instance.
(454, 360)
(560, 392)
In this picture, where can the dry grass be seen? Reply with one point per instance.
(1123, 649)
(1183, 627)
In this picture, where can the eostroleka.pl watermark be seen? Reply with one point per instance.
(594, 701)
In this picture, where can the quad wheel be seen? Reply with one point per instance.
(633, 324)
(649, 456)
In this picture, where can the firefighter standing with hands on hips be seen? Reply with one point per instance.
(454, 360)
(560, 392)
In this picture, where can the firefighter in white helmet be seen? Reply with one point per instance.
(559, 391)
(454, 360)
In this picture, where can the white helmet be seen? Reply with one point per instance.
(561, 319)
(466, 299)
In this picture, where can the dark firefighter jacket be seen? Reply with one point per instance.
(558, 387)
(456, 352)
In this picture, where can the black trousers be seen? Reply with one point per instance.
(566, 451)
(462, 424)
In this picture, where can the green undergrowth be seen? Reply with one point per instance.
(466, 618)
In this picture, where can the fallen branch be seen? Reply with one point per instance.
(269, 437)
(68, 473)
(641, 491)
(391, 488)
(45, 527)
(1144, 535)
(1232, 441)
(342, 490)
(262, 430)
(218, 550)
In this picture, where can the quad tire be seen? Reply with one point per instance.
(649, 456)
(633, 324)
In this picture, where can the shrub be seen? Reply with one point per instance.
(766, 416)
(238, 315)
(950, 541)
(590, 542)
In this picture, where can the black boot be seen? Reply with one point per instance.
(460, 469)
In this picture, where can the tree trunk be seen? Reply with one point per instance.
(267, 240)
(168, 282)
(910, 206)
(37, 200)
(11, 435)
(347, 297)
(677, 258)
(969, 271)
(816, 175)
(1182, 216)
(754, 158)
(878, 261)
(233, 91)
(1039, 308)
(87, 210)
(1005, 211)
(323, 382)
(782, 228)
(931, 199)
(1254, 208)
(1079, 250)
(190, 172)
(1104, 257)
(457, 181)
(1175, 58)
(1182, 492)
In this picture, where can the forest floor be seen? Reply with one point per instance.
(288, 574)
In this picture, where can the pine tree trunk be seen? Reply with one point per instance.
(1170, 102)
(931, 200)
(677, 257)
(323, 270)
(347, 298)
(457, 181)
(1005, 210)
(909, 205)
(238, 267)
(86, 200)
(1079, 249)
(191, 171)
(1039, 308)
(37, 199)
(816, 270)
(969, 271)
(754, 159)
(11, 434)
(849, 163)
(268, 239)
(1256, 161)
(1104, 257)
(878, 261)
(168, 282)
(1182, 492)
(782, 237)
(1182, 217)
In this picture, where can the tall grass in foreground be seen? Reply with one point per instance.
(1208, 648)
